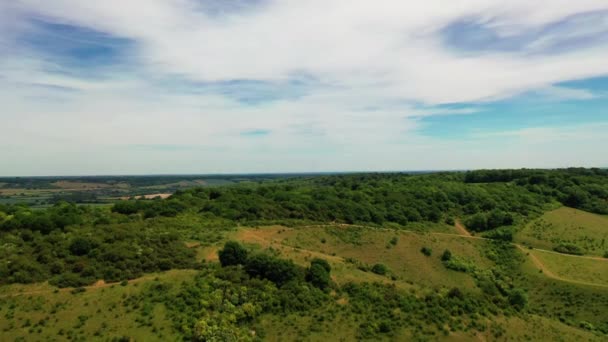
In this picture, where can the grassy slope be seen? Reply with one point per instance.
(579, 269)
(567, 225)
(96, 314)
(551, 298)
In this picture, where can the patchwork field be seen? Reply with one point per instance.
(567, 226)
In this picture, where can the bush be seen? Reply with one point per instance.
(518, 298)
(318, 276)
(446, 256)
(568, 248)
(321, 262)
(232, 254)
(276, 270)
(380, 269)
(81, 246)
(426, 251)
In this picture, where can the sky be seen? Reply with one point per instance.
(256, 86)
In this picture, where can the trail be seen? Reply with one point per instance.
(464, 233)
(96, 286)
(550, 274)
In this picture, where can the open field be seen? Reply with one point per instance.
(566, 225)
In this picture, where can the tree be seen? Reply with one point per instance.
(318, 276)
(318, 273)
(232, 254)
(446, 256)
(81, 246)
(518, 298)
(380, 269)
(322, 262)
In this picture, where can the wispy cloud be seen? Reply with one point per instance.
(353, 78)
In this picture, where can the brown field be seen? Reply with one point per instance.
(150, 196)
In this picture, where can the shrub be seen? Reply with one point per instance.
(380, 269)
(318, 276)
(426, 251)
(278, 271)
(81, 246)
(321, 262)
(569, 248)
(518, 298)
(446, 256)
(394, 241)
(232, 254)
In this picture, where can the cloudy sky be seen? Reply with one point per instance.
(237, 86)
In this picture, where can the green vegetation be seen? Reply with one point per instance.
(376, 255)
(567, 226)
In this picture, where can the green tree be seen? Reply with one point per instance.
(233, 253)
(446, 256)
(518, 298)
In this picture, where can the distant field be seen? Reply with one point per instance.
(566, 225)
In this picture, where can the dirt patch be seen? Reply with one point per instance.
(212, 256)
(193, 244)
(461, 229)
(342, 301)
(263, 236)
(99, 283)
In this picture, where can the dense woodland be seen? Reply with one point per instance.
(74, 245)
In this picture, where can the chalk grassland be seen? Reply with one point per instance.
(100, 313)
(566, 225)
(577, 269)
(39, 313)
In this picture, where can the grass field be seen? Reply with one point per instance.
(354, 248)
(576, 269)
(41, 313)
(566, 225)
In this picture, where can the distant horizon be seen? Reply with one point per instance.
(295, 173)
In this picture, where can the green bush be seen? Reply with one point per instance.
(380, 269)
(446, 256)
(233, 253)
(569, 248)
(426, 251)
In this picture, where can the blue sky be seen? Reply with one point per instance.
(236, 86)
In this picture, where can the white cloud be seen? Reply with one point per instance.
(371, 62)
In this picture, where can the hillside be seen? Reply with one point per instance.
(449, 256)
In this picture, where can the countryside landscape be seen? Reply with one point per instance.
(489, 255)
(303, 170)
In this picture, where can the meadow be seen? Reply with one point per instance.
(567, 226)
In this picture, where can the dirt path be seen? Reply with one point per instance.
(461, 229)
(100, 284)
(465, 234)
(536, 261)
